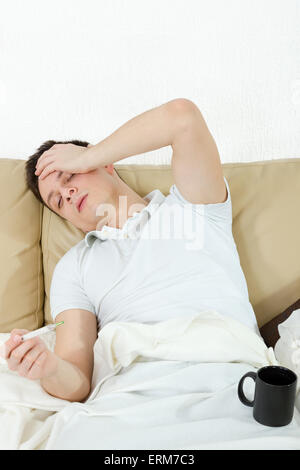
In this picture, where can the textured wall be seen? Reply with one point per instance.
(80, 69)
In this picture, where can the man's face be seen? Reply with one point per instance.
(63, 192)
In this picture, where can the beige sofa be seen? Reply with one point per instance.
(266, 228)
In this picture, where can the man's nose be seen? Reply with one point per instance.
(69, 194)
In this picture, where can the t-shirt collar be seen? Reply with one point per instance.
(128, 230)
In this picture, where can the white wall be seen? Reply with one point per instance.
(73, 69)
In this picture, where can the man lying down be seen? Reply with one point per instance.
(142, 260)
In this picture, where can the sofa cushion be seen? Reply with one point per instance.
(266, 227)
(21, 274)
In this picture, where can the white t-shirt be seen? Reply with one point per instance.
(173, 258)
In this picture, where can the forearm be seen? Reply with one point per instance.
(68, 382)
(151, 130)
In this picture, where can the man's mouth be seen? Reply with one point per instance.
(81, 203)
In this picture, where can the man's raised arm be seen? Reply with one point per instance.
(151, 130)
(195, 162)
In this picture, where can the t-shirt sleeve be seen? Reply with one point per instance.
(66, 291)
(218, 212)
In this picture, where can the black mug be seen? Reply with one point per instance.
(274, 396)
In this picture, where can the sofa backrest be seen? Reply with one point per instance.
(21, 273)
(266, 229)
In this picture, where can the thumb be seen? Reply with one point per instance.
(13, 340)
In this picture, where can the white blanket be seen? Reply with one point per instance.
(171, 385)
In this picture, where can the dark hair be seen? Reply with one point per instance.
(32, 179)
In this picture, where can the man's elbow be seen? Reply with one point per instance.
(84, 396)
(74, 397)
(185, 110)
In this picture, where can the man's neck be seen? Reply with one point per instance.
(127, 204)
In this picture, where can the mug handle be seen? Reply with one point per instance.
(241, 394)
